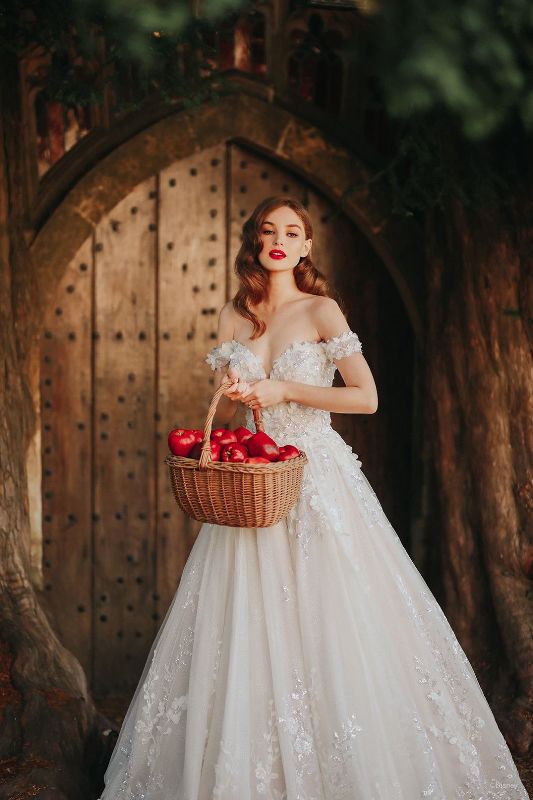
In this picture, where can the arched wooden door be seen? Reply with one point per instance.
(122, 362)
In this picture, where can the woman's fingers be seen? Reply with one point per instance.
(246, 392)
(232, 392)
(237, 390)
(233, 375)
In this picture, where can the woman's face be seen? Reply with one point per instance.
(283, 240)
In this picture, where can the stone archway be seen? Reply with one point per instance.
(101, 213)
(276, 133)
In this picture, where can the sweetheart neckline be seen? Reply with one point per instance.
(283, 352)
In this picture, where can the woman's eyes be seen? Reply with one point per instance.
(290, 233)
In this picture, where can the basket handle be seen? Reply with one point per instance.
(205, 454)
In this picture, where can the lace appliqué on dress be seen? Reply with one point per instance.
(313, 515)
(317, 765)
(448, 681)
(159, 712)
(220, 355)
(296, 722)
(157, 722)
(345, 344)
(369, 504)
(335, 348)
(320, 765)
(227, 775)
(266, 763)
(269, 770)
(159, 718)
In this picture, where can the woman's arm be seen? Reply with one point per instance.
(226, 408)
(339, 399)
(359, 395)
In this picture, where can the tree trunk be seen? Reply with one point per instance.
(480, 295)
(52, 738)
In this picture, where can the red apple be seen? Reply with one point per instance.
(260, 444)
(215, 450)
(242, 434)
(288, 451)
(256, 460)
(181, 441)
(223, 436)
(234, 453)
(228, 438)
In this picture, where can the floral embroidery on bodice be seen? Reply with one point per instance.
(304, 362)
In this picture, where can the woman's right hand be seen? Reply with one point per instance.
(238, 387)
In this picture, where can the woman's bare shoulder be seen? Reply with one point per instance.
(323, 301)
(228, 311)
(328, 317)
(226, 321)
(324, 306)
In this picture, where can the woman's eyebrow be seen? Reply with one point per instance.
(292, 225)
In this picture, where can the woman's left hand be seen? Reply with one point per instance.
(264, 393)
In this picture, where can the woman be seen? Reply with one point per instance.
(308, 660)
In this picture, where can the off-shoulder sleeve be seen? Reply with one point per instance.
(343, 345)
(219, 355)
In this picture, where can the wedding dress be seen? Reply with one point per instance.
(308, 660)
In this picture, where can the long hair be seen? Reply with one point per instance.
(254, 278)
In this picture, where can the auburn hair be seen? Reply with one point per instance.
(253, 277)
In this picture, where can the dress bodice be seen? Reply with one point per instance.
(303, 362)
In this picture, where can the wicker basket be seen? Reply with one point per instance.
(240, 495)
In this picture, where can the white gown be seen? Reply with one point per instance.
(308, 660)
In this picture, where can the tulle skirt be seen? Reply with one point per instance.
(309, 661)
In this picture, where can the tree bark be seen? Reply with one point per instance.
(53, 741)
(480, 370)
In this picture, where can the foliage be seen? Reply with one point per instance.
(135, 50)
(455, 78)
(474, 60)
(433, 160)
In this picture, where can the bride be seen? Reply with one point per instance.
(308, 660)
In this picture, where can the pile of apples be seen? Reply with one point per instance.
(237, 446)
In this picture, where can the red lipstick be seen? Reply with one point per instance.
(277, 254)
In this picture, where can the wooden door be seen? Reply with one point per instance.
(122, 362)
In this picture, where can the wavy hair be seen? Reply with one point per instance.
(254, 278)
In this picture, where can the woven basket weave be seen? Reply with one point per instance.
(239, 495)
